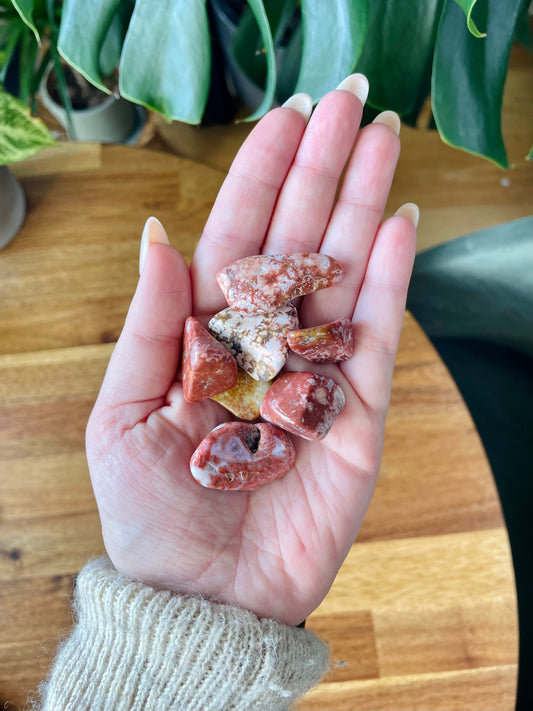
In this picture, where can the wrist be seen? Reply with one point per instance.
(135, 647)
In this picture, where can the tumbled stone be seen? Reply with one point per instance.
(263, 283)
(241, 455)
(259, 343)
(330, 341)
(305, 404)
(244, 399)
(207, 367)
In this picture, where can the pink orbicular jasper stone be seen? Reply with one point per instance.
(259, 343)
(330, 341)
(260, 284)
(241, 455)
(207, 367)
(305, 404)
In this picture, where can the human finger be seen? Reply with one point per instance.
(242, 211)
(356, 217)
(308, 193)
(145, 359)
(379, 312)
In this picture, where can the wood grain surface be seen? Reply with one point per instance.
(423, 612)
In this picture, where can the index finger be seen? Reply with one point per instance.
(242, 211)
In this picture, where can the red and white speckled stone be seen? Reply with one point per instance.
(207, 367)
(259, 343)
(260, 284)
(330, 341)
(304, 404)
(241, 455)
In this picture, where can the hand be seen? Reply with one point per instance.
(276, 550)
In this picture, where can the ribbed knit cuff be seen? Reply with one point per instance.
(133, 647)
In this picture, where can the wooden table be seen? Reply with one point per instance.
(423, 612)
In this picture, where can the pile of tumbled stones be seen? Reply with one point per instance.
(237, 360)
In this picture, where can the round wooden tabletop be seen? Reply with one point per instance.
(423, 612)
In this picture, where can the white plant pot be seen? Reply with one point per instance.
(12, 206)
(115, 120)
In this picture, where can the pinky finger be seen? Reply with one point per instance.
(379, 311)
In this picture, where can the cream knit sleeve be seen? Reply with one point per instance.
(133, 647)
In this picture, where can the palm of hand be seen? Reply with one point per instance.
(276, 550)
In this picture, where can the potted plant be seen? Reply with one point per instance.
(31, 66)
(21, 135)
(452, 50)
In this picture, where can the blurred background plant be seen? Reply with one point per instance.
(21, 135)
(28, 45)
(29, 56)
(438, 63)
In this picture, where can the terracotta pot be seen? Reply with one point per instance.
(12, 206)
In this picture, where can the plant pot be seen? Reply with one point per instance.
(225, 18)
(243, 86)
(12, 206)
(114, 120)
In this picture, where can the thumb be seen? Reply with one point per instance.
(146, 357)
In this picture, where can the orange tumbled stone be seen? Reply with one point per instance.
(245, 398)
(330, 341)
(208, 367)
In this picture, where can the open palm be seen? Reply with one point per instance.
(275, 550)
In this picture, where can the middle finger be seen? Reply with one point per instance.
(308, 193)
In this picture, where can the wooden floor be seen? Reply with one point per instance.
(423, 613)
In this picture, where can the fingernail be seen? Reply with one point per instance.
(302, 103)
(153, 232)
(390, 119)
(357, 84)
(409, 210)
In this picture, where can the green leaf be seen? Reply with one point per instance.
(20, 134)
(62, 88)
(27, 58)
(523, 32)
(166, 58)
(258, 9)
(467, 6)
(6, 53)
(112, 46)
(333, 36)
(399, 76)
(248, 46)
(289, 65)
(83, 30)
(468, 79)
(530, 154)
(25, 10)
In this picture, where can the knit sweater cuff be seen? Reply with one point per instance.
(133, 647)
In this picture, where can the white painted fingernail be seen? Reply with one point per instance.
(390, 119)
(357, 84)
(409, 210)
(302, 103)
(153, 232)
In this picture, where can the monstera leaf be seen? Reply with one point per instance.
(165, 59)
(455, 50)
(469, 75)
